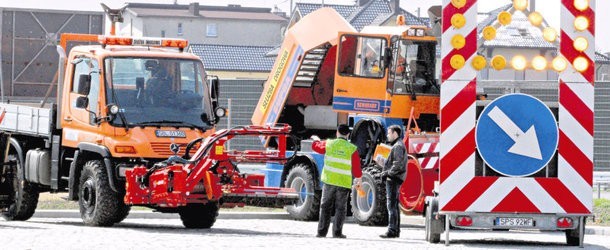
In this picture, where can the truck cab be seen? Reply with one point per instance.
(121, 103)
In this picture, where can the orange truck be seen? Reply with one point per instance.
(120, 103)
(327, 73)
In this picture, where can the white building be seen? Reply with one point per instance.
(227, 25)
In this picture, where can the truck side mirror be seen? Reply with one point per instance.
(84, 84)
(214, 92)
(387, 57)
(82, 102)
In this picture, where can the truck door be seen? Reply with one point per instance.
(80, 124)
(361, 75)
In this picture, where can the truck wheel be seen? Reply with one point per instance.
(573, 236)
(197, 215)
(23, 195)
(122, 213)
(302, 178)
(369, 208)
(99, 205)
(433, 225)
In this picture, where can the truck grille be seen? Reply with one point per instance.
(162, 148)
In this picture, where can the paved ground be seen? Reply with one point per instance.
(250, 231)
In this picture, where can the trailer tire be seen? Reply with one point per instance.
(98, 204)
(302, 178)
(370, 209)
(573, 236)
(196, 215)
(434, 227)
(25, 197)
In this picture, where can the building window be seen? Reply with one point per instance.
(163, 33)
(180, 29)
(211, 30)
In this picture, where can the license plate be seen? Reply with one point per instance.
(170, 133)
(514, 222)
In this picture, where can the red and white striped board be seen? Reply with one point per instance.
(460, 189)
(425, 149)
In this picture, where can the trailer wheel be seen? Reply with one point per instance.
(370, 208)
(99, 205)
(23, 195)
(302, 178)
(433, 226)
(196, 215)
(573, 236)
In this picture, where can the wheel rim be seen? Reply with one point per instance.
(298, 184)
(88, 195)
(365, 203)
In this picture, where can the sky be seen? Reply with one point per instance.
(550, 10)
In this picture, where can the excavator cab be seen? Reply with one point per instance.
(387, 71)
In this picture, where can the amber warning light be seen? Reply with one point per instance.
(156, 42)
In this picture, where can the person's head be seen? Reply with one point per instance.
(394, 132)
(151, 65)
(343, 130)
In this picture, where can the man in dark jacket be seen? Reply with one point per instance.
(394, 172)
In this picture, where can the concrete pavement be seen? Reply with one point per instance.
(406, 220)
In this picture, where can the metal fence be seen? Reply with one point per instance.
(28, 40)
(240, 97)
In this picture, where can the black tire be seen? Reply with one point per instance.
(573, 236)
(99, 204)
(122, 213)
(196, 215)
(370, 209)
(433, 226)
(302, 178)
(24, 195)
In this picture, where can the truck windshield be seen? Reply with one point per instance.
(158, 92)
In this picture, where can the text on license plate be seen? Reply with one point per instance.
(517, 222)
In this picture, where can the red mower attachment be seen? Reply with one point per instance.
(212, 174)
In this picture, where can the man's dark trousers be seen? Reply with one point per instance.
(337, 196)
(391, 187)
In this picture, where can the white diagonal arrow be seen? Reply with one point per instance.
(526, 144)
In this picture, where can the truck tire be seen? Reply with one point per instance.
(573, 236)
(370, 208)
(24, 195)
(122, 213)
(302, 178)
(196, 215)
(99, 204)
(433, 225)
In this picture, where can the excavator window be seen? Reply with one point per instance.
(412, 69)
(362, 56)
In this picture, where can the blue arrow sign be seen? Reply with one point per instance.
(516, 135)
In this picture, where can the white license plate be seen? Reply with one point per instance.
(514, 222)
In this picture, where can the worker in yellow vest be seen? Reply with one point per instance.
(341, 163)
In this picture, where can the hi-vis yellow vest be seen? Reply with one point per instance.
(337, 169)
